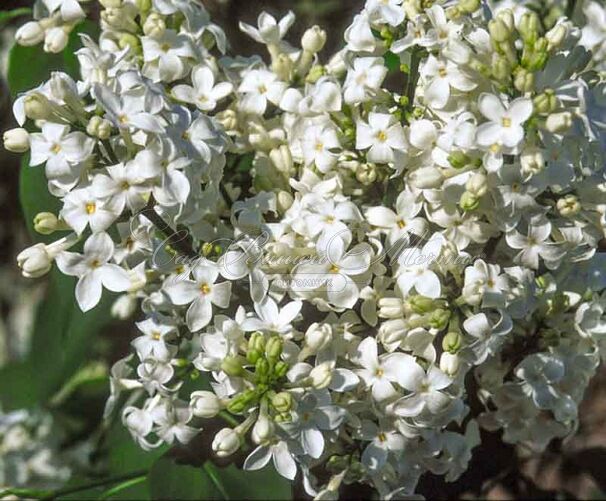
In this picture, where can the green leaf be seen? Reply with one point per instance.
(9, 15)
(392, 61)
(61, 340)
(35, 197)
(168, 479)
(29, 67)
(124, 456)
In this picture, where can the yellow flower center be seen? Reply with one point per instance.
(382, 437)
(442, 72)
(382, 136)
(495, 148)
(506, 121)
(205, 288)
(334, 269)
(155, 336)
(90, 208)
(379, 372)
(401, 224)
(319, 146)
(262, 89)
(56, 148)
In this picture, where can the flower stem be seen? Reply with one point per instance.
(99, 483)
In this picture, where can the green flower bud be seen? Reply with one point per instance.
(262, 368)
(45, 223)
(469, 202)
(545, 102)
(273, 349)
(256, 341)
(523, 80)
(468, 6)
(458, 159)
(143, 5)
(37, 106)
(501, 69)
(499, 31)
(281, 369)
(232, 366)
(315, 73)
(452, 342)
(529, 26)
(421, 304)
(253, 355)
(282, 402)
(438, 319)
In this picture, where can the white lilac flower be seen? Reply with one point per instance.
(200, 293)
(383, 136)
(415, 268)
(258, 88)
(505, 125)
(364, 79)
(94, 271)
(205, 93)
(59, 148)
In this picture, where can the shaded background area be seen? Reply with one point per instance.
(574, 469)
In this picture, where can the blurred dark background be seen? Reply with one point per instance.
(574, 469)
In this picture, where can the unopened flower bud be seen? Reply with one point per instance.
(262, 368)
(226, 442)
(545, 102)
(523, 80)
(315, 73)
(45, 223)
(499, 31)
(426, 178)
(393, 331)
(468, 6)
(366, 173)
(34, 261)
(318, 336)
(321, 375)
(263, 431)
(228, 119)
(37, 106)
(529, 26)
(232, 366)
(282, 401)
(55, 40)
(284, 200)
(280, 369)
(420, 304)
(282, 159)
(438, 319)
(205, 404)
(568, 205)
(501, 69)
(154, 26)
(99, 127)
(477, 184)
(273, 348)
(390, 307)
(124, 306)
(556, 36)
(256, 341)
(468, 201)
(559, 122)
(313, 39)
(16, 140)
(31, 33)
(532, 160)
(452, 342)
(282, 66)
(458, 159)
(449, 363)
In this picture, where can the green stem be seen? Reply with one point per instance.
(99, 483)
(212, 473)
(232, 421)
(570, 8)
